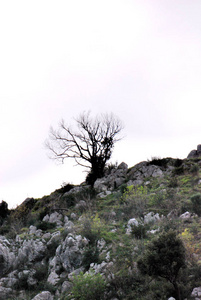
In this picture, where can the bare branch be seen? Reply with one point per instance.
(92, 143)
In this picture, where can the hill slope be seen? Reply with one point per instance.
(84, 243)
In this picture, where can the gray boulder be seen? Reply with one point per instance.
(66, 287)
(54, 218)
(132, 222)
(10, 280)
(196, 293)
(43, 296)
(53, 278)
(187, 215)
(151, 218)
(195, 153)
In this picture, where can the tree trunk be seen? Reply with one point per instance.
(177, 290)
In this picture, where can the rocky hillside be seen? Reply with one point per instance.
(84, 243)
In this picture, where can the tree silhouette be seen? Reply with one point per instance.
(90, 145)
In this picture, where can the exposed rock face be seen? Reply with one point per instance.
(113, 180)
(32, 251)
(195, 153)
(134, 176)
(69, 254)
(7, 257)
(5, 293)
(54, 218)
(142, 170)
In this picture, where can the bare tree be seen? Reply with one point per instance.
(90, 146)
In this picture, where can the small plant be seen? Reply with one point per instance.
(88, 286)
(173, 182)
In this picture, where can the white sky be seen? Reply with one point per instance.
(140, 59)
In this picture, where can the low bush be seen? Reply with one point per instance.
(88, 286)
(45, 226)
(139, 232)
(196, 203)
(91, 255)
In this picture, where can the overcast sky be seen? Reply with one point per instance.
(140, 59)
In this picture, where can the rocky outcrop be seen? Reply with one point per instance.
(7, 257)
(113, 180)
(143, 170)
(195, 153)
(134, 176)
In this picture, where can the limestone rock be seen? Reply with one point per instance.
(55, 237)
(143, 170)
(9, 281)
(75, 273)
(5, 292)
(31, 250)
(54, 218)
(53, 278)
(81, 205)
(131, 222)
(104, 194)
(195, 153)
(196, 293)
(187, 215)
(151, 218)
(7, 257)
(112, 180)
(69, 254)
(66, 287)
(43, 296)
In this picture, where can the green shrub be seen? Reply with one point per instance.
(88, 286)
(45, 226)
(91, 255)
(173, 182)
(66, 187)
(139, 231)
(156, 161)
(135, 200)
(196, 203)
(194, 169)
(127, 284)
(163, 258)
(41, 271)
(178, 162)
(178, 170)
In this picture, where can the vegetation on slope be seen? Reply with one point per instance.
(104, 222)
